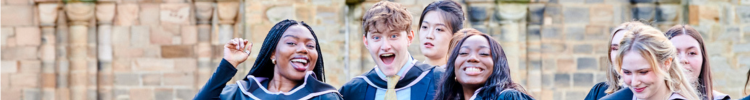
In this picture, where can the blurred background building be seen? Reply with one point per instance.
(167, 49)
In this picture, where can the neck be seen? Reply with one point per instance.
(469, 91)
(436, 61)
(281, 84)
(661, 94)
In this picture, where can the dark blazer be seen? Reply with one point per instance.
(508, 94)
(422, 79)
(598, 91)
(622, 94)
(254, 88)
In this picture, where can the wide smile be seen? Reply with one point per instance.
(473, 70)
(300, 63)
(387, 58)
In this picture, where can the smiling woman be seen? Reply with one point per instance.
(289, 66)
(478, 70)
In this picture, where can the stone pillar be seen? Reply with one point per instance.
(47, 17)
(105, 12)
(204, 10)
(79, 14)
(227, 11)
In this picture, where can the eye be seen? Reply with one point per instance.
(693, 53)
(614, 48)
(393, 36)
(484, 54)
(424, 27)
(310, 46)
(626, 72)
(376, 37)
(462, 53)
(439, 30)
(291, 43)
(643, 72)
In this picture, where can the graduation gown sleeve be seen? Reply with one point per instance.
(215, 85)
(622, 94)
(513, 95)
(597, 92)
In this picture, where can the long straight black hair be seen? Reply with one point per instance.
(498, 81)
(263, 66)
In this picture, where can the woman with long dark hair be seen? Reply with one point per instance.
(289, 66)
(439, 20)
(478, 70)
(692, 54)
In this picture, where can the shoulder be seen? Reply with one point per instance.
(598, 91)
(512, 94)
(355, 83)
(622, 94)
(328, 96)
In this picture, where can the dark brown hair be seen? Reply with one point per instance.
(705, 85)
(386, 15)
(449, 10)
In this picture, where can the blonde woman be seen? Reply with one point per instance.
(647, 63)
(612, 84)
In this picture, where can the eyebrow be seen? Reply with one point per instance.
(435, 23)
(295, 37)
(642, 69)
(480, 47)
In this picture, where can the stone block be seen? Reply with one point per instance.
(576, 15)
(574, 33)
(163, 94)
(11, 94)
(477, 14)
(587, 63)
(189, 34)
(18, 2)
(151, 79)
(583, 48)
(583, 79)
(25, 80)
(179, 79)
(139, 36)
(642, 1)
(28, 36)
(32, 94)
(9, 66)
(602, 14)
(142, 94)
(161, 35)
(279, 13)
(153, 64)
(536, 14)
(30, 66)
(175, 14)
(120, 36)
(551, 32)
(7, 32)
(741, 47)
(22, 15)
(565, 65)
(553, 48)
(177, 51)
(127, 14)
(743, 13)
(594, 1)
(562, 80)
(667, 13)
(19, 53)
(729, 33)
(643, 12)
(122, 65)
(185, 64)
(184, 94)
(149, 14)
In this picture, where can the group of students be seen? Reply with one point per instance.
(461, 63)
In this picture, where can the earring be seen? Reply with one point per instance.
(273, 61)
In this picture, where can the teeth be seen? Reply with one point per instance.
(472, 69)
(299, 60)
(389, 54)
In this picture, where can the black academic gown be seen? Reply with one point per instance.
(421, 78)
(746, 98)
(622, 94)
(254, 88)
(508, 94)
(598, 91)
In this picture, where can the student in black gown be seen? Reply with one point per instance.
(289, 66)
(604, 88)
(693, 57)
(478, 70)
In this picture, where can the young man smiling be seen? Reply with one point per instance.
(397, 75)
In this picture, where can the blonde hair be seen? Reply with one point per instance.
(612, 75)
(657, 49)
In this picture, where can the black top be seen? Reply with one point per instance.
(598, 91)
(253, 88)
(746, 98)
(421, 78)
(622, 94)
(508, 94)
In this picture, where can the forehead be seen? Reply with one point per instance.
(299, 31)
(475, 41)
(433, 17)
(684, 41)
(618, 36)
(632, 60)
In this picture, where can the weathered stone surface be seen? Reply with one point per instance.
(574, 33)
(149, 14)
(562, 80)
(28, 36)
(667, 13)
(151, 79)
(142, 94)
(477, 14)
(189, 34)
(601, 14)
(22, 15)
(152, 64)
(279, 13)
(127, 14)
(579, 15)
(643, 12)
(19, 53)
(177, 51)
(583, 48)
(583, 79)
(587, 63)
(163, 94)
(179, 79)
(175, 14)
(743, 13)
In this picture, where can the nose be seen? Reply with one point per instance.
(431, 34)
(473, 59)
(634, 82)
(385, 47)
(302, 49)
(683, 59)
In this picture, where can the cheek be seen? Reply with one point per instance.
(696, 63)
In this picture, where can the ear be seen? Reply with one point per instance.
(273, 55)
(364, 40)
(410, 36)
(667, 63)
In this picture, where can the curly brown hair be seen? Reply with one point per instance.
(386, 15)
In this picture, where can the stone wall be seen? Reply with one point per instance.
(167, 49)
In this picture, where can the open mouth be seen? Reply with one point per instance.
(428, 45)
(300, 63)
(473, 71)
(387, 58)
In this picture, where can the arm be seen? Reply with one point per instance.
(217, 82)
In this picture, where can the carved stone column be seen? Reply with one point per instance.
(105, 13)
(47, 18)
(227, 10)
(79, 14)
(204, 11)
